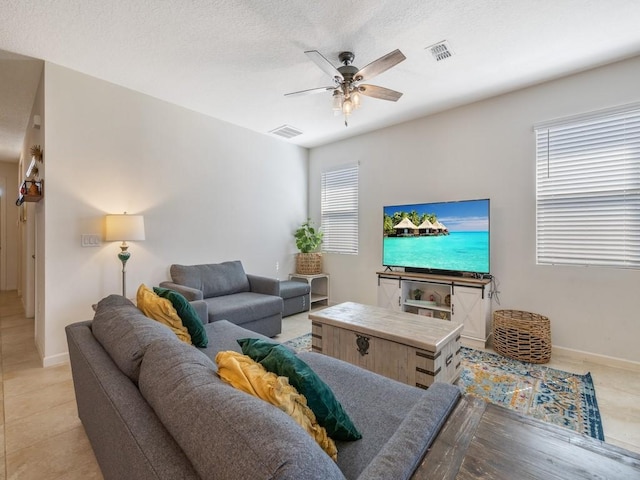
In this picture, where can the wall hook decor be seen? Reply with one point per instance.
(36, 152)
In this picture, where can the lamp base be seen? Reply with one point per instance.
(124, 255)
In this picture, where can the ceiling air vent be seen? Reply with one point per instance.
(440, 51)
(286, 131)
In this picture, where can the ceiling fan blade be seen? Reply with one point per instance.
(380, 65)
(379, 92)
(324, 64)
(310, 91)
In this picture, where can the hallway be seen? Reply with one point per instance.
(41, 435)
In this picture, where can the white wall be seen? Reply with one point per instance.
(8, 226)
(209, 192)
(486, 150)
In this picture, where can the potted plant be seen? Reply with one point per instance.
(308, 239)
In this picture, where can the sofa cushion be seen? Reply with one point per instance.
(224, 432)
(406, 419)
(403, 453)
(125, 333)
(223, 335)
(161, 310)
(214, 279)
(283, 362)
(187, 314)
(291, 288)
(249, 376)
(243, 307)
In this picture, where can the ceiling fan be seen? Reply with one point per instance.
(347, 87)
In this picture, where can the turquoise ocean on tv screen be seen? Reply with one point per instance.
(463, 251)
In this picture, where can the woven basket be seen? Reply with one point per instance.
(523, 336)
(309, 263)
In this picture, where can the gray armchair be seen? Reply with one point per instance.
(223, 291)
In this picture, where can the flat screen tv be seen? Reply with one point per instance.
(449, 238)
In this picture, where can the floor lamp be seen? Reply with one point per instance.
(122, 228)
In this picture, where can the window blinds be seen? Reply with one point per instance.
(339, 210)
(588, 189)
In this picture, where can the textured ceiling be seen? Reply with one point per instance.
(235, 60)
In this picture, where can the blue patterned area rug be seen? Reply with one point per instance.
(554, 396)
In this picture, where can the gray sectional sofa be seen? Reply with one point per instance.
(153, 407)
(228, 293)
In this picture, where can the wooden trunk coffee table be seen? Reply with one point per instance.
(409, 348)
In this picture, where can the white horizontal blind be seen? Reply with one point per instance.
(588, 190)
(339, 210)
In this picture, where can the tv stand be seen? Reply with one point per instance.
(462, 300)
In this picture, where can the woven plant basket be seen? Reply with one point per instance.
(309, 263)
(521, 335)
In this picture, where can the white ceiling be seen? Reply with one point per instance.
(235, 60)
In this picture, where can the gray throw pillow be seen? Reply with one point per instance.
(125, 333)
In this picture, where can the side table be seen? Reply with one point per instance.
(319, 285)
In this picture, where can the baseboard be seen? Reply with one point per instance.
(55, 359)
(477, 344)
(596, 358)
(569, 353)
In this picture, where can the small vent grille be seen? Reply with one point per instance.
(440, 51)
(286, 131)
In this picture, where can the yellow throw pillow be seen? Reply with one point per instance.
(161, 310)
(249, 376)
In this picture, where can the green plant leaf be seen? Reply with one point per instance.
(308, 239)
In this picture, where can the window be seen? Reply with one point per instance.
(339, 210)
(588, 189)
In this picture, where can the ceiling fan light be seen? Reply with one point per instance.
(337, 101)
(346, 88)
(355, 99)
(347, 107)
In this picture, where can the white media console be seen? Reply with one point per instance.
(461, 300)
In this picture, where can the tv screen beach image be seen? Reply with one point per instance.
(451, 236)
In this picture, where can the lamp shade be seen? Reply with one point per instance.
(124, 227)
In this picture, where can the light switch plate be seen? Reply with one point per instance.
(91, 240)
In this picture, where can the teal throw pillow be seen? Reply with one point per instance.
(283, 362)
(187, 314)
(256, 349)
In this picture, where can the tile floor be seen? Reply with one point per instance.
(42, 437)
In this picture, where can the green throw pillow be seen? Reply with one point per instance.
(187, 314)
(283, 362)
